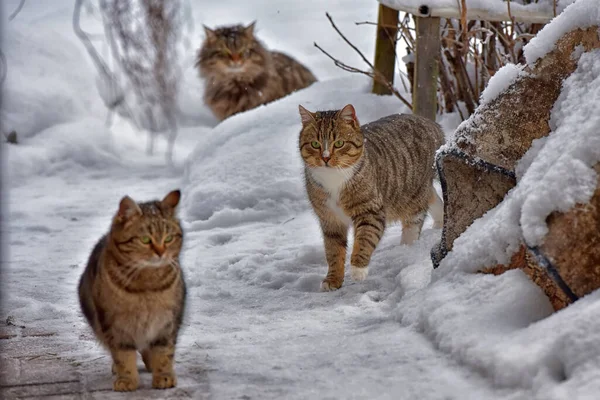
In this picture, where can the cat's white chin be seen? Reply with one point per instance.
(359, 274)
(236, 70)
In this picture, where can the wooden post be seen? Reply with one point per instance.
(426, 69)
(385, 47)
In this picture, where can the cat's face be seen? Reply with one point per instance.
(231, 50)
(148, 235)
(330, 138)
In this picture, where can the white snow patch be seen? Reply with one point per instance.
(580, 15)
(501, 80)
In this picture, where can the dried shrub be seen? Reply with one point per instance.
(144, 39)
(471, 53)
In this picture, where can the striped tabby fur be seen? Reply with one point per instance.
(132, 291)
(240, 74)
(366, 177)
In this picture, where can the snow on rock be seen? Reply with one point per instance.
(555, 174)
(581, 14)
(561, 174)
(501, 80)
(503, 326)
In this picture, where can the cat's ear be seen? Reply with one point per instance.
(250, 29)
(307, 116)
(348, 114)
(172, 199)
(210, 34)
(128, 209)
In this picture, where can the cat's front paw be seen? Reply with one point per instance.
(330, 286)
(359, 273)
(125, 384)
(164, 381)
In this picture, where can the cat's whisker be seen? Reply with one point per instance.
(133, 275)
(174, 265)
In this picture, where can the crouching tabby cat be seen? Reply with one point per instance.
(132, 291)
(367, 176)
(240, 74)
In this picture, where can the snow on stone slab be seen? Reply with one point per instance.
(540, 11)
(581, 14)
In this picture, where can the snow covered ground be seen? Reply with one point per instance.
(256, 327)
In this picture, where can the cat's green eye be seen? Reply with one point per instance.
(315, 144)
(338, 143)
(169, 239)
(145, 239)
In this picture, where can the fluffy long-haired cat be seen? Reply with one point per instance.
(241, 74)
(366, 177)
(132, 291)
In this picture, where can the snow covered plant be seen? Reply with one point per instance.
(144, 41)
(367, 177)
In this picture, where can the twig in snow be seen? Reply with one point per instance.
(18, 10)
(3, 68)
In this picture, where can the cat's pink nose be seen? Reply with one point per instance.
(160, 250)
(326, 159)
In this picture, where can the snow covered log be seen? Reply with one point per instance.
(567, 265)
(570, 253)
(478, 167)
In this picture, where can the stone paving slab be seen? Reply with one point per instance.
(33, 365)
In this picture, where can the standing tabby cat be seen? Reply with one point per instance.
(240, 74)
(367, 177)
(132, 292)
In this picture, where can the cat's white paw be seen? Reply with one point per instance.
(328, 287)
(359, 274)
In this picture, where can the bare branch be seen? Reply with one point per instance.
(17, 11)
(349, 42)
(3, 68)
(371, 23)
(98, 61)
(375, 75)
